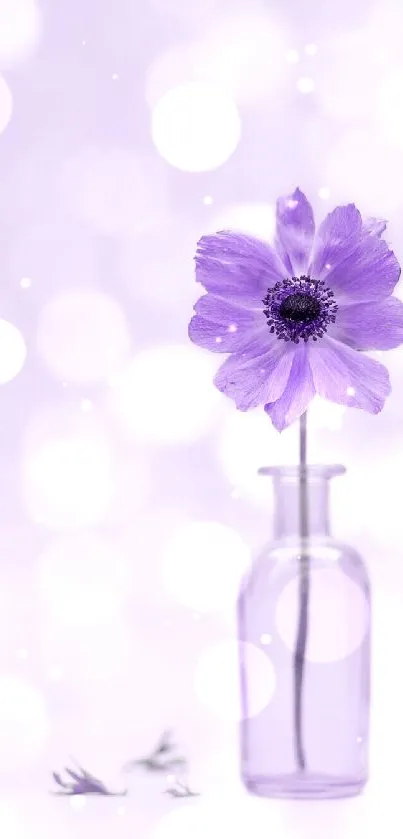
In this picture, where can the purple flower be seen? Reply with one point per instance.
(294, 316)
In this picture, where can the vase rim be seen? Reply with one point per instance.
(318, 470)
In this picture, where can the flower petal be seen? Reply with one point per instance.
(237, 267)
(297, 394)
(336, 238)
(348, 377)
(295, 230)
(253, 378)
(370, 272)
(221, 326)
(376, 226)
(370, 326)
(221, 311)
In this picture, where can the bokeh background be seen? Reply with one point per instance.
(130, 505)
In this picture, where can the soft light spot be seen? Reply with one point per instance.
(217, 684)
(218, 340)
(176, 66)
(84, 580)
(328, 266)
(67, 481)
(348, 181)
(339, 615)
(83, 336)
(166, 395)
(196, 127)
(240, 54)
(232, 327)
(258, 219)
(388, 93)
(26, 282)
(115, 77)
(203, 565)
(265, 639)
(12, 351)
(305, 84)
(22, 654)
(6, 104)
(77, 802)
(20, 30)
(350, 391)
(291, 203)
(86, 405)
(207, 200)
(324, 192)
(324, 414)
(311, 49)
(24, 724)
(292, 56)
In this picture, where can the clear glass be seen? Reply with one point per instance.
(335, 691)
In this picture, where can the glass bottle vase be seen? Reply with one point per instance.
(306, 605)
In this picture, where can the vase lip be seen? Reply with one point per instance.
(318, 470)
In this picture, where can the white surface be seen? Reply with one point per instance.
(147, 813)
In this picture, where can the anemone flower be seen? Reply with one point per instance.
(292, 315)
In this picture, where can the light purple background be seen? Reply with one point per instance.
(129, 498)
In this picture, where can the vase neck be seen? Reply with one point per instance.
(287, 498)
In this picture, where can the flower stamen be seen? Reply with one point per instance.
(299, 308)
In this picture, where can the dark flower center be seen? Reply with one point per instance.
(299, 309)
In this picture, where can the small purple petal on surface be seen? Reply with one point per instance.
(348, 377)
(335, 239)
(237, 267)
(369, 273)
(220, 326)
(376, 226)
(297, 395)
(82, 784)
(72, 774)
(58, 779)
(370, 326)
(165, 742)
(295, 230)
(252, 380)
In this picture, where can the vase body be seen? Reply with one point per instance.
(311, 738)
